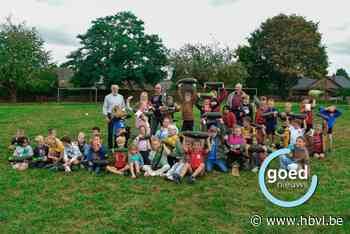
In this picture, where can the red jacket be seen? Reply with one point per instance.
(229, 120)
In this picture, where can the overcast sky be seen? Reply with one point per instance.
(183, 21)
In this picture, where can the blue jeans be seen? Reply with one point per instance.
(285, 161)
(210, 163)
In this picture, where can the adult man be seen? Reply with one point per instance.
(235, 100)
(111, 100)
(157, 102)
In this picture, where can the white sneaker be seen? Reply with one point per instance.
(67, 169)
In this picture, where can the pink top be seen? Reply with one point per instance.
(235, 140)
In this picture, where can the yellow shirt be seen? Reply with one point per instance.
(57, 147)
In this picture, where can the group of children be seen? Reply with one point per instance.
(240, 137)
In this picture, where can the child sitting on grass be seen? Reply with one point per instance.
(41, 152)
(95, 131)
(14, 141)
(120, 155)
(71, 153)
(159, 159)
(172, 146)
(299, 157)
(83, 146)
(330, 115)
(56, 147)
(235, 143)
(96, 155)
(135, 161)
(216, 155)
(195, 165)
(22, 154)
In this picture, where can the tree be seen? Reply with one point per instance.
(282, 50)
(118, 49)
(44, 81)
(21, 54)
(207, 63)
(342, 72)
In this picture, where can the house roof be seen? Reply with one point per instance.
(304, 83)
(307, 83)
(342, 81)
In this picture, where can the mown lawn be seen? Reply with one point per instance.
(40, 201)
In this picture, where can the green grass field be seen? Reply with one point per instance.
(40, 201)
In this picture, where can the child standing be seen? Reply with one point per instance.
(260, 120)
(205, 108)
(229, 118)
(330, 115)
(295, 131)
(142, 141)
(187, 104)
(271, 120)
(306, 108)
(246, 109)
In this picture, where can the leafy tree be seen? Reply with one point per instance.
(342, 72)
(44, 81)
(118, 49)
(207, 63)
(21, 54)
(282, 50)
